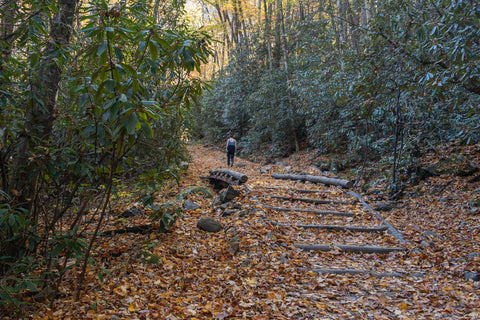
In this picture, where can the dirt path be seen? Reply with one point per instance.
(254, 269)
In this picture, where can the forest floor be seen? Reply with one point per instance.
(254, 269)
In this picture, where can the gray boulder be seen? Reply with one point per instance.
(229, 194)
(190, 205)
(209, 224)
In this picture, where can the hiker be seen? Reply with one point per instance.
(231, 148)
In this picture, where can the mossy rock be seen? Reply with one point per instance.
(197, 190)
(453, 165)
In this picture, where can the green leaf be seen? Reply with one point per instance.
(118, 53)
(153, 50)
(83, 99)
(132, 123)
(110, 85)
(146, 128)
(102, 47)
(5, 195)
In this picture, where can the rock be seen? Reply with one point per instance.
(475, 276)
(228, 213)
(455, 165)
(475, 202)
(332, 166)
(217, 201)
(433, 234)
(425, 244)
(246, 263)
(383, 207)
(132, 212)
(183, 165)
(229, 194)
(243, 213)
(209, 224)
(190, 205)
(234, 248)
(472, 255)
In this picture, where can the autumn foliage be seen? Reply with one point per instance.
(252, 269)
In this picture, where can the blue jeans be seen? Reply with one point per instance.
(230, 156)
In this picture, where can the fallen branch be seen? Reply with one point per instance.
(294, 190)
(347, 248)
(134, 229)
(344, 228)
(391, 229)
(315, 179)
(317, 212)
(307, 200)
(371, 273)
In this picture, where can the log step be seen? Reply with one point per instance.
(315, 179)
(344, 228)
(334, 227)
(316, 201)
(317, 212)
(368, 272)
(347, 248)
(294, 190)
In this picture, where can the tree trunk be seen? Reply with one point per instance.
(7, 26)
(292, 110)
(342, 18)
(40, 109)
(268, 45)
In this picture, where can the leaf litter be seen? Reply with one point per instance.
(252, 270)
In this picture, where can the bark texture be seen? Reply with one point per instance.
(316, 179)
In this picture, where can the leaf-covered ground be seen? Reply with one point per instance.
(253, 270)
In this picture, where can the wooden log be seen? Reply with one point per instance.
(334, 227)
(240, 177)
(344, 228)
(315, 179)
(316, 201)
(368, 272)
(347, 248)
(317, 212)
(294, 190)
(391, 230)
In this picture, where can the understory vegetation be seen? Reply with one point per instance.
(373, 80)
(93, 96)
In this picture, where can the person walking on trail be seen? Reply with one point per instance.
(231, 148)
